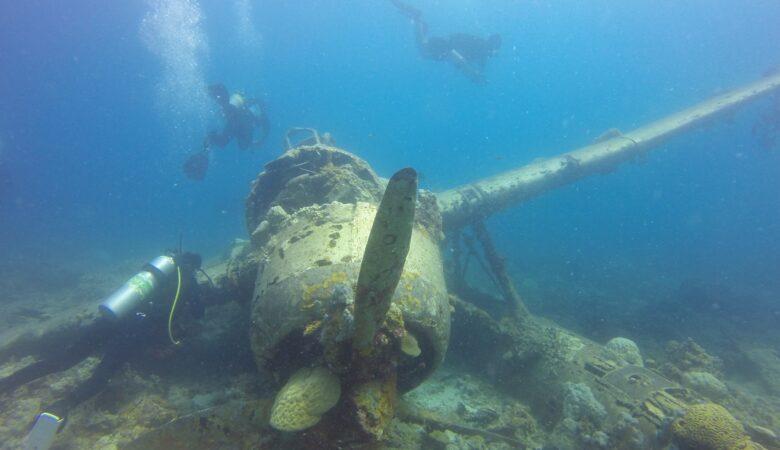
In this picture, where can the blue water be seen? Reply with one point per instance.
(100, 102)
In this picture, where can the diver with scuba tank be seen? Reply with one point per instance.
(242, 116)
(132, 320)
(466, 52)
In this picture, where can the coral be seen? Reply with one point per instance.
(338, 321)
(402, 436)
(556, 347)
(315, 294)
(331, 175)
(579, 404)
(450, 440)
(705, 383)
(375, 404)
(308, 394)
(626, 434)
(690, 356)
(709, 426)
(312, 327)
(573, 434)
(766, 365)
(597, 439)
(394, 320)
(624, 350)
(409, 345)
(583, 418)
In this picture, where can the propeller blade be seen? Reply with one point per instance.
(384, 256)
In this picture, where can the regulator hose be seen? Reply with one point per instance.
(173, 307)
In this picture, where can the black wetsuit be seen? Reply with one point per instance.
(467, 52)
(240, 121)
(119, 341)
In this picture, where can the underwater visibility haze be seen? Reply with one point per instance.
(390, 224)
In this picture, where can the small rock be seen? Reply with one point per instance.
(479, 416)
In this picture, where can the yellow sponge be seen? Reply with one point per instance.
(308, 394)
(409, 345)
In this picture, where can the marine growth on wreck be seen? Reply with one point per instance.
(415, 279)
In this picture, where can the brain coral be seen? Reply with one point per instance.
(309, 394)
(710, 427)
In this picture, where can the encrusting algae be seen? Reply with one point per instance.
(314, 292)
(375, 405)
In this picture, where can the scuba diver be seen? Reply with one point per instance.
(468, 53)
(133, 322)
(242, 116)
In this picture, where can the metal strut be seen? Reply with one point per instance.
(497, 265)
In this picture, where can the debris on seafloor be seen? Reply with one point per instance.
(688, 356)
(464, 406)
(26, 312)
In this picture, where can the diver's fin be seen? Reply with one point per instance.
(43, 432)
(384, 256)
(196, 165)
(407, 10)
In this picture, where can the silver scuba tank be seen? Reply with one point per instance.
(128, 298)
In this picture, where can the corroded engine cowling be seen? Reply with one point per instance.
(310, 213)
